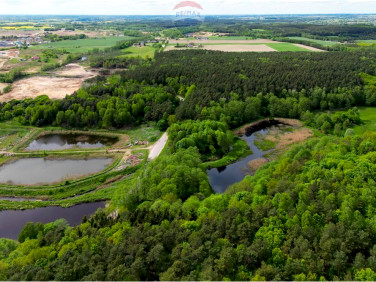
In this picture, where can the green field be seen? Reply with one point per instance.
(286, 47)
(321, 42)
(229, 38)
(280, 47)
(81, 45)
(368, 116)
(367, 41)
(147, 51)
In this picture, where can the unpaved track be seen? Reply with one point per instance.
(157, 148)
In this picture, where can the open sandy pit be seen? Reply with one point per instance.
(53, 87)
(74, 70)
(61, 83)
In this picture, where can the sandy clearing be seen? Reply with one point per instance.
(309, 48)
(157, 148)
(53, 87)
(74, 70)
(2, 86)
(197, 41)
(61, 83)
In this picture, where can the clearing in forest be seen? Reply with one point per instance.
(70, 80)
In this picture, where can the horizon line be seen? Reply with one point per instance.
(169, 15)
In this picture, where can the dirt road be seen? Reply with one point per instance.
(157, 148)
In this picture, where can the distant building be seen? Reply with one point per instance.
(35, 58)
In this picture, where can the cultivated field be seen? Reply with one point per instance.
(62, 83)
(251, 47)
(81, 45)
(240, 48)
(321, 42)
(196, 41)
(146, 51)
(309, 48)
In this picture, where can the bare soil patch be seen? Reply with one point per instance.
(309, 48)
(64, 82)
(2, 86)
(198, 41)
(74, 70)
(53, 87)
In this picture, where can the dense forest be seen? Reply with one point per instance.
(227, 87)
(307, 216)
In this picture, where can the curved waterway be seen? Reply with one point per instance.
(222, 177)
(53, 142)
(33, 171)
(12, 221)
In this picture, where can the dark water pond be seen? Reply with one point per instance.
(222, 177)
(34, 171)
(53, 142)
(12, 222)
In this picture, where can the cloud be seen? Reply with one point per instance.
(149, 7)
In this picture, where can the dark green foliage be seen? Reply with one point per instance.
(336, 122)
(113, 104)
(210, 137)
(307, 216)
(289, 84)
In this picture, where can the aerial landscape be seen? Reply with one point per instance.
(230, 141)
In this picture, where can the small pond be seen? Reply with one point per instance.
(52, 142)
(34, 171)
(222, 177)
(12, 221)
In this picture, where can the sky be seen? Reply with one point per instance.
(165, 7)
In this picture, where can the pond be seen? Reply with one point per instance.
(53, 142)
(34, 171)
(12, 221)
(222, 177)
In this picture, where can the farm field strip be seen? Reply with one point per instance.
(253, 47)
(324, 43)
